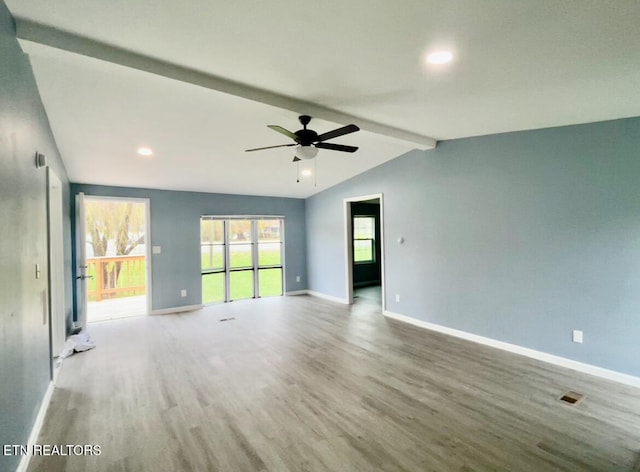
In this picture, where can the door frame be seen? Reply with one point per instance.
(348, 244)
(57, 289)
(81, 266)
(80, 229)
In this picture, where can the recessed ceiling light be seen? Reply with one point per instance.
(440, 57)
(306, 173)
(145, 151)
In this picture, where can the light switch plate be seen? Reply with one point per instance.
(156, 249)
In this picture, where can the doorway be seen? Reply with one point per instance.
(114, 269)
(364, 249)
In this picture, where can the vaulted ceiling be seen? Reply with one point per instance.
(199, 81)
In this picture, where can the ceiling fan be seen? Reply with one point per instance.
(308, 141)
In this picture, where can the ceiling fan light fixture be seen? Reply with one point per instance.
(306, 152)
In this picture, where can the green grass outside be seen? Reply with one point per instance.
(240, 256)
(362, 251)
(362, 254)
(269, 280)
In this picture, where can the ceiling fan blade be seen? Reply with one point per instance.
(286, 132)
(270, 147)
(336, 147)
(338, 132)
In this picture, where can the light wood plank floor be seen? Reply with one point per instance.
(303, 384)
(110, 309)
(370, 294)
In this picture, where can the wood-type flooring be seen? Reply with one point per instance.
(304, 384)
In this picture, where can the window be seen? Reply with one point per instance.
(241, 258)
(269, 257)
(364, 237)
(213, 260)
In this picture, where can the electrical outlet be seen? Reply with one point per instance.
(397, 298)
(297, 278)
(578, 336)
(183, 293)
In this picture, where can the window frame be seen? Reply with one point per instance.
(255, 243)
(373, 259)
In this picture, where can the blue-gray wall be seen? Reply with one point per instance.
(520, 237)
(24, 324)
(175, 226)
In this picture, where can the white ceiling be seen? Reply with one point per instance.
(519, 65)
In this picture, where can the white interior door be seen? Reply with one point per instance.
(81, 260)
(56, 266)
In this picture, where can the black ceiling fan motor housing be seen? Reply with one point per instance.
(306, 137)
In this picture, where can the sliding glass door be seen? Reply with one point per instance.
(241, 258)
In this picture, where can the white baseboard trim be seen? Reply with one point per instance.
(344, 301)
(37, 426)
(296, 293)
(523, 351)
(178, 309)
